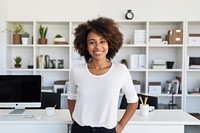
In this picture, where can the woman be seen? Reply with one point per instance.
(94, 87)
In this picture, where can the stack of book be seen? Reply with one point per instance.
(158, 64)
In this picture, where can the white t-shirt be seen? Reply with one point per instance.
(97, 96)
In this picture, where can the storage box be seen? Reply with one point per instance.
(155, 88)
(137, 86)
(194, 39)
(140, 37)
(141, 61)
(133, 61)
(60, 84)
(175, 37)
(161, 62)
(155, 40)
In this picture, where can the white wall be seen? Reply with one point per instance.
(3, 17)
(86, 9)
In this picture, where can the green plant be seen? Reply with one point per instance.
(16, 29)
(58, 36)
(26, 34)
(18, 60)
(43, 31)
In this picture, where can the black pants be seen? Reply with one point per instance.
(76, 128)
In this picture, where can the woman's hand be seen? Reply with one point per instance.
(119, 128)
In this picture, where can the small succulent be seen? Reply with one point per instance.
(43, 31)
(26, 34)
(18, 60)
(58, 36)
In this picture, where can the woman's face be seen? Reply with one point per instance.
(97, 46)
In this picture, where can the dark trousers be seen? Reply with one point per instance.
(76, 128)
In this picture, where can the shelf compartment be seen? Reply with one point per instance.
(127, 28)
(55, 53)
(54, 28)
(166, 54)
(26, 53)
(161, 28)
(48, 77)
(27, 27)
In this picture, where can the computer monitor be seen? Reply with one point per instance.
(20, 92)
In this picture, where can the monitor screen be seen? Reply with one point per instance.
(20, 91)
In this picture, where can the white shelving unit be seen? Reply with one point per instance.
(171, 52)
(192, 75)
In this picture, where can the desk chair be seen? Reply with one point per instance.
(50, 99)
(152, 101)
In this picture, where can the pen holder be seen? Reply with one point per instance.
(144, 109)
(50, 111)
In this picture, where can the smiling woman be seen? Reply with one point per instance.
(93, 100)
(108, 30)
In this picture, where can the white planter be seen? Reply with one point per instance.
(24, 40)
(59, 39)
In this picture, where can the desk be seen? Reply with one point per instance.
(158, 121)
(53, 124)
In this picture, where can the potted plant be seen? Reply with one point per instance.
(18, 60)
(59, 39)
(43, 33)
(25, 37)
(17, 29)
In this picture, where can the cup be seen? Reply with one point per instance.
(50, 111)
(170, 64)
(144, 109)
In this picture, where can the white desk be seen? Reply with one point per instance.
(53, 124)
(158, 121)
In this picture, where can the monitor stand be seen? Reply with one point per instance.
(17, 111)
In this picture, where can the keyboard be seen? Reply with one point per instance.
(16, 117)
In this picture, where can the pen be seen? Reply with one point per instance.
(141, 100)
(145, 100)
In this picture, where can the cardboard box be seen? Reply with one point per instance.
(175, 37)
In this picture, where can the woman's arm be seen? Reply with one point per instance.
(71, 105)
(130, 110)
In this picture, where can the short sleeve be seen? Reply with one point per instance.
(72, 91)
(128, 88)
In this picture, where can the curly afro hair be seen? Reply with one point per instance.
(103, 26)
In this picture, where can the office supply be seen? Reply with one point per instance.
(144, 109)
(50, 111)
(133, 61)
(141, 100)
(155, 88)
(152, 100)
(194, 62)
(141, 61)
(194, 39)
(137, 86)
(16, 117)
(20, 92)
